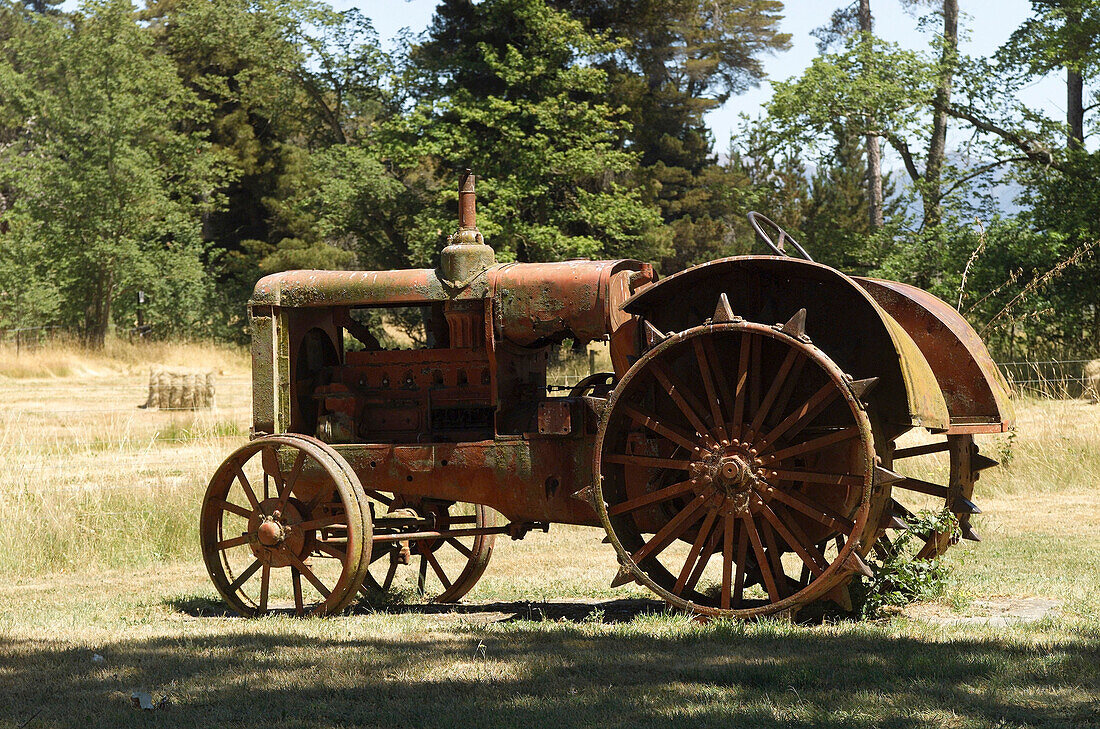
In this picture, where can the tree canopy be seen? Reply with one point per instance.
(184, 148)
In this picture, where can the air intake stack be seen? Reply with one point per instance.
(466, 255)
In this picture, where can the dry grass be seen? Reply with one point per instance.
(119, 356)
(98, 554)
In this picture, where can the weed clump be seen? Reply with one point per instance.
(900, 578)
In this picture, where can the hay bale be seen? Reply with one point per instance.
(1092, 381)
(180, 389)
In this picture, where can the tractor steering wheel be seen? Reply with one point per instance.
(755, 219)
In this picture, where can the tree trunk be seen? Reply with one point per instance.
(874, 153)
(97, 316)
(1075, 109)
(937, 145)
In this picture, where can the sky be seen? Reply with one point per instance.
(984, 25)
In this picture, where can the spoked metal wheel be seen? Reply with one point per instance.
(283, 526)
(424, 548)
(738, 470)
(911, 494)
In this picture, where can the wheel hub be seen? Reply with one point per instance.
(731, 469)
(275, 532)
(271, 532)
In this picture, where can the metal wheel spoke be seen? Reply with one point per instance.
(773, 391)
(247, 487)
(676, 526)
(801, 417)
(438, 569)
(379, 496)
(791, 524)
(742, 559)
(780, 405)
(231, 507)
(696, 549)
(720, 378)
(647, 461)
(708, 387)
(727, 561)
(921, 450)
(320, 496)
(243, 577)
(741, 386)
(655, 497)
(761, 558)
(833, 479)
(706, 554)
(292, 479)
(754, 377)
(265, 587)
(807, 553)
(815, 444)
(680, 397)
(650, 421)
(309, 575)
(462, 548)
(233, 542)
(299, 601)
(269, 458)
(923, 487)
(813, 509)
(391, 571)
(775, 559)
(322, 522)
(331, 550)
(422, 575)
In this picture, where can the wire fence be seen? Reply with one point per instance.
(1054, 378)
(25, 338)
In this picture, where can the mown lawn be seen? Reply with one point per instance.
(98, 556)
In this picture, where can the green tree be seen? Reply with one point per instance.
(108, 176)
(674, 61)
(523, 109)
(291, 84)
(1060, 35)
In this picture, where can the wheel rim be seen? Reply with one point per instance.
(732, 455)
(436, 569)
(282, 528)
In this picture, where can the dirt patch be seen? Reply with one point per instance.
(991, 611)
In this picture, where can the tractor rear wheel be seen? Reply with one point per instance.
(433, 568)
(910, 494)
(737, 470)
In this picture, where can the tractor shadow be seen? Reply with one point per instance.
(571, 611)
(661, 675)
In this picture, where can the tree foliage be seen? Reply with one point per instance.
(187, 148)
(525, 110)
(109, 179)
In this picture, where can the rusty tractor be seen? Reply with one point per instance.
(741, 456)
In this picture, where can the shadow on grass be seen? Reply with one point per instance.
(578, 611)
(652, 673)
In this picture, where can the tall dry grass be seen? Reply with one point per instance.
(68, 358)
(92, 481)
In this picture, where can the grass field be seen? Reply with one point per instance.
(98, 556)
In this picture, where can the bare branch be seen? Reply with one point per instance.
(980, 171)
(1034, 151)
(902, 148)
